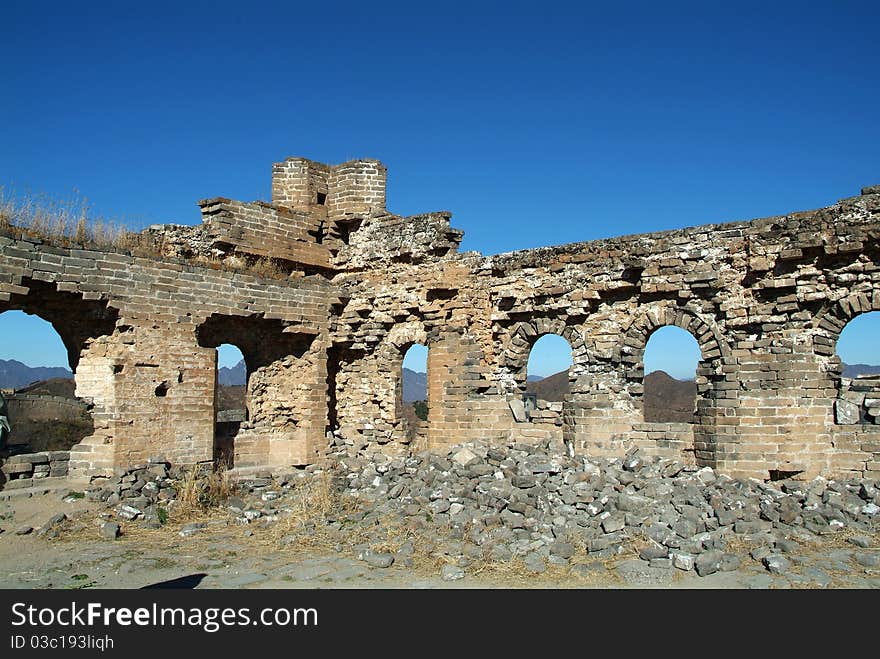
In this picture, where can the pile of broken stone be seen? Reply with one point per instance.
(490, 503)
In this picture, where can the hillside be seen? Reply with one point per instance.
(669, 400)
(553, 387)
(853, 370)
(15, 375)
(415, 386)
(666, 399)
(232, 377)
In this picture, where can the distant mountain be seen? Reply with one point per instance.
(553, 387)
(852, 370)
(415, 385)
(534, 378)
(669, 400)
(232, 377)
(14, 374)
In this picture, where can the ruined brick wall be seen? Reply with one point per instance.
(756, 296)
(766, 301)
(237, 233)
(132, 327)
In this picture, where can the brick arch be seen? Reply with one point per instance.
(525, 334)
(402, 337)
(399, 340)
(713, 349)
(76, 319)
(831, 323)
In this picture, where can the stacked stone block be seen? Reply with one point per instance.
(31, 469)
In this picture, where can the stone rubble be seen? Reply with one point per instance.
(497, 503)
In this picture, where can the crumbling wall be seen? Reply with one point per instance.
(765, 300)
(139, 362)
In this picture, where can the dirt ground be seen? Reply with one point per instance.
(232, 556)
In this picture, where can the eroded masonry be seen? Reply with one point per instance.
(354, 286)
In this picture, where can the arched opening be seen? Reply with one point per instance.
(670, 365)
(37, 382)
(547, 379)
(413, 395)
(858, 399)
(230, 401)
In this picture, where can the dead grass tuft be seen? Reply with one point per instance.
(64, 222)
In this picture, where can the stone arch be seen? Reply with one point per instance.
(713, 349)
(84, 322)
(46, 415)
(77, 320)
(399, 340)
(525, 334)
(849, 403)
(714, 353)
(831, 324)
(281, 394)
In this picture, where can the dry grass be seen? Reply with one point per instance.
(199, 492)
(72, 223)
(65, 222)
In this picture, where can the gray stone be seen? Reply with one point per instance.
(439, 506)
(500, 552)
(376, 559)
(860, 541)
(465, 457)
(129, 512)
(633, 502)
(451, 573)
(518, 410)
(110, 530)
(562, 549)
(653, 551)
(708, 563)
(706, 475)
(523, 481)
(776, 563)
(24, 530)
(534, 562)
(614, 522)
(682, 561)
(867, 560)
(845, 412)
(729, 563)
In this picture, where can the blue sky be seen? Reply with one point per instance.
(534, 123)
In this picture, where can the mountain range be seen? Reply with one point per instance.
(234, 376)
(852, 370)
(16, 375)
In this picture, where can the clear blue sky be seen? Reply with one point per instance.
(536, 124)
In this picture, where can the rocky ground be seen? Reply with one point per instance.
(479, 516)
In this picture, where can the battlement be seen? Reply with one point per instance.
(353, 188)
(322, 218)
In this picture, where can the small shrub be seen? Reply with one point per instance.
(421, 408)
